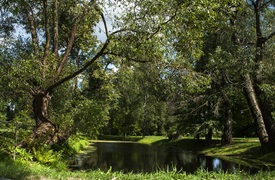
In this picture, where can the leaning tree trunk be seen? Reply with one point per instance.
(267, 117)
(227, 131)
(256, 111)
(264, 104)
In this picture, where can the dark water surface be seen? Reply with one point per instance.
(135, 157)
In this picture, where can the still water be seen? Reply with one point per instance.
(135, 157)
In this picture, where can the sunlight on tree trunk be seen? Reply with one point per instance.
(255, 110)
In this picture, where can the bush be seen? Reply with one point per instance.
(47, 156)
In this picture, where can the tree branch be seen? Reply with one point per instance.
(98, 55)
(257, 18)
(270, 36)
(55, 28)
(48, 38)
(32, 25)
(164, 23)
(265, 3)
(105, 25)
(68, 49)
(103, 19)
(132, 59)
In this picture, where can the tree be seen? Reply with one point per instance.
(250, 42)
(261, 40)
(59, 33)
(140, 109)
(45, 64)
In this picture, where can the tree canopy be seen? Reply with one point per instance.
(172, 68)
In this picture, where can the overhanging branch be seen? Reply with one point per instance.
(270, 36)
(65, 79)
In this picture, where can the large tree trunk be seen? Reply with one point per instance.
(41, 100)
(264, 104)
(45, 131)
(256, 111)
(227, 131)
(267, 117)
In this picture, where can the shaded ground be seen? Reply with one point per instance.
(119, 138)
(12, 169)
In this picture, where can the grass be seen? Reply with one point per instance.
(34, 171)
(154, 140)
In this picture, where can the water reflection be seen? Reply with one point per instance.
(134, 157)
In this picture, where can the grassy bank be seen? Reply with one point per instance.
(34, 171)
(243, 148)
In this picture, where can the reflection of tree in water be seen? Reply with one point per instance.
(171, 159)
(134, 157)
(187, 161)
(216, 164)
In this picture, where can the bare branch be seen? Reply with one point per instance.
(270, 36)
(55, 28)
(103, 19)
(164, 23)
(48, 38)
(105, 25)
(68, 49)
(32, 25)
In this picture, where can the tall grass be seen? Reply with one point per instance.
(35, 171)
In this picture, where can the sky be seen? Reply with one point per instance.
(110, 11)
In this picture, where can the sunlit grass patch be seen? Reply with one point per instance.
(157, 140)
(236, 148)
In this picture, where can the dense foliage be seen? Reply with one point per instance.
(198, 68)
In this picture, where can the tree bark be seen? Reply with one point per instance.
(209, 135)
(264, 104)
(45, 132)
(256, 111)
(267, 117)
(227, 131)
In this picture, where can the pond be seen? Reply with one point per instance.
(135, 157)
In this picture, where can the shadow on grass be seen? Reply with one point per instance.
(261, 156)
(119, 138)
(12, 169)
(184, 143)
(161, 142)
(192, 144)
